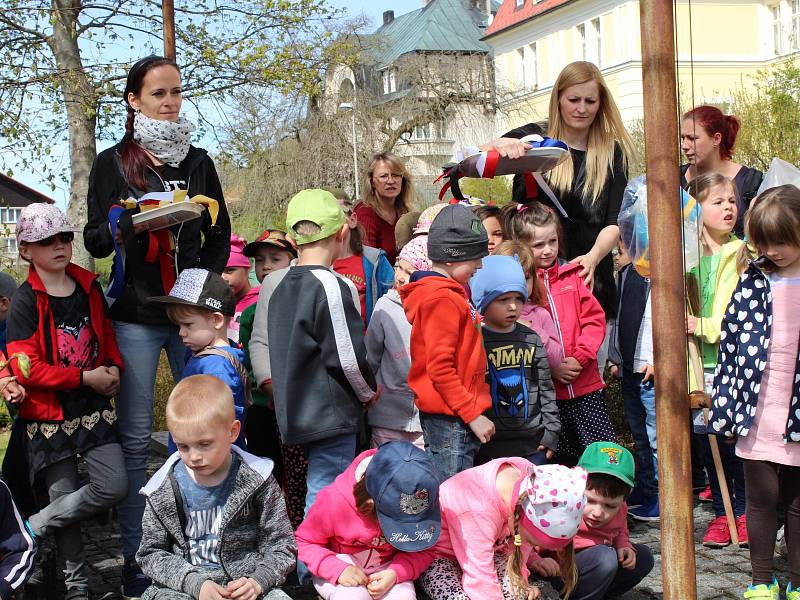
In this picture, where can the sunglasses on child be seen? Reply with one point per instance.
(65, 237)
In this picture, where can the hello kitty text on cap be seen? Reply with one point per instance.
(402, 482)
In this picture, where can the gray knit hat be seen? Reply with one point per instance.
(457, 235)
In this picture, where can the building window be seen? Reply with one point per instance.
(582, 41)
(777, 29)
(10, 245)
(9, 215)
(796, 24)
(521, 67)
(520, 3)
(422, 132)
(597, 47)
(533, 68)
(389, 80)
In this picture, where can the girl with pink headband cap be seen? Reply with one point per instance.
(494, 518)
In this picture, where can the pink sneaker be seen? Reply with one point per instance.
(705, 495)
(717, 535)
(741, 530)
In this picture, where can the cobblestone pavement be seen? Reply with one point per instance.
(721, 573)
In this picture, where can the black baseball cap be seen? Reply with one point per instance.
(200, 288)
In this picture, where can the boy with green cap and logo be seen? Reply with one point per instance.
(321, 380)
(608, 563)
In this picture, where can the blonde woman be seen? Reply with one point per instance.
(590, 184)
(388, 195)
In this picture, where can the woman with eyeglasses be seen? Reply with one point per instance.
(388, 195)
(155, 155)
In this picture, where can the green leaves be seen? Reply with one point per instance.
(23, 363)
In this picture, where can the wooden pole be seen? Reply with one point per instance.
(168, 11)
(678, 570)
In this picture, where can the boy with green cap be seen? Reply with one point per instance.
(321, 380)
(608, 563)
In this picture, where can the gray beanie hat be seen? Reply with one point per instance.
(457, 235)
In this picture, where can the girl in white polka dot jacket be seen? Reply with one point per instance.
(757, 383)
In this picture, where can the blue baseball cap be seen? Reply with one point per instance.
(402, 482)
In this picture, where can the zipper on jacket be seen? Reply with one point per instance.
(557, 323)
(233, 517)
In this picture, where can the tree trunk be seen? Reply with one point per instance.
(80, 100)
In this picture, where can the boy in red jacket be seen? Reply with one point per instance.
(58, 318)
(448, 362)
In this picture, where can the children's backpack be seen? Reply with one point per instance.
(236, 364)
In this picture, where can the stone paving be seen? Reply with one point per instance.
(721, 573)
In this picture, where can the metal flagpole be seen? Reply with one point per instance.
(678, 568)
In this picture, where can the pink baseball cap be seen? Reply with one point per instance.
(553, 508)
(415, 252)
(237, 258)
(39, 221)
(426, 218)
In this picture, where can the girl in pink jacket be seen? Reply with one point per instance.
(534, 314)
(493, 517)
(581, 326)
(370, 533)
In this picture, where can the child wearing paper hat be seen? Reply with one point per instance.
(608, 563)
(493, 516)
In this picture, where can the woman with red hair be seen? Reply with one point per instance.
(708, 137)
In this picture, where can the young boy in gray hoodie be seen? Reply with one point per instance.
(388, 342)
(215, 523)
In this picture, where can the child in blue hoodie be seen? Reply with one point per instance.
(202, 304)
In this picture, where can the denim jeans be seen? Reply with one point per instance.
(601, 576)
(639, 400)
(71, 503)
(450, 443)
(327, 459)
(140, 346)
(733, 467)
(538, 458)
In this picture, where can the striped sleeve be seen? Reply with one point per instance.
(349, 355)
(17, 548)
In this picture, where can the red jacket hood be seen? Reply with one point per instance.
(419, 292)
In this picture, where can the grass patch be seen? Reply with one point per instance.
(164, 385)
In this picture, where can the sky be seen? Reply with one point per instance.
(372, 9)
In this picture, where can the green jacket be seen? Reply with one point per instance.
(245, 331)
(707, 330)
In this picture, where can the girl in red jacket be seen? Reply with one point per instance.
(581, 326)
(370, 533)
(58, 318)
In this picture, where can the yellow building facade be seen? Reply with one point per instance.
(720, 46)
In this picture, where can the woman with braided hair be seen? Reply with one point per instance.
(155, 155)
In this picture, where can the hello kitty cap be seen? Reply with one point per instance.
(402, 482)
(553, 509)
